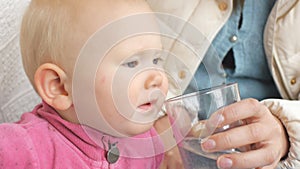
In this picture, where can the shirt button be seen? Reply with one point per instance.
(293, 81)
(233, 38)
(222, 6)
(182, 74)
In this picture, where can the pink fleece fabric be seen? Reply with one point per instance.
(43, 140)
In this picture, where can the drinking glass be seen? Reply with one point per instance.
(193, 120)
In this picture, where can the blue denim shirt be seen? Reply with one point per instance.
(251, 69)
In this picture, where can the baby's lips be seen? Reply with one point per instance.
(145, 106)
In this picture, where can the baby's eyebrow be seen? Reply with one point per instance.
(130, 58)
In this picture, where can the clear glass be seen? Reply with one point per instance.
(193, 120)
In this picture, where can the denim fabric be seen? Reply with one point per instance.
(251, 68)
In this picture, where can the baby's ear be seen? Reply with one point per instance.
(51, 84)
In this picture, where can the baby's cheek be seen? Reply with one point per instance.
(165, 86)
(103, 79)
(132, 95)
(101, 87)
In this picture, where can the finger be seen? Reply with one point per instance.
(176, 160)
(270, 166)
(163, 165)
(263, 157)
(174, 165)
(236, 137)
(248, 108)
(173, 159)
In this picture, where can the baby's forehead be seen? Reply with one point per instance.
(93, 15)
(137, 45)
(96, 14)
(108, 10)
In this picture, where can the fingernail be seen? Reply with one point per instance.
(225, 163)
(208, 144)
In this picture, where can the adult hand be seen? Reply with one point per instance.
(261, 131)
(172, 159)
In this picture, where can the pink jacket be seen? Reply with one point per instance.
(42, 139)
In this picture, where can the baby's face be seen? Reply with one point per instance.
(131, 85)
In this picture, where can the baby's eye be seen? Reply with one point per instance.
(131, 64)
(157, 60)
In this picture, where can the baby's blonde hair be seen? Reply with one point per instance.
(44, 32)
(51, 29)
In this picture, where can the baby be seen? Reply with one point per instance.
(128, 86)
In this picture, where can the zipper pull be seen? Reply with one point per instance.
(113, 153)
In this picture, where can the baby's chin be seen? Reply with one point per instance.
(135, 129)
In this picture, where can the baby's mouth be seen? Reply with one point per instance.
(147, 106)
